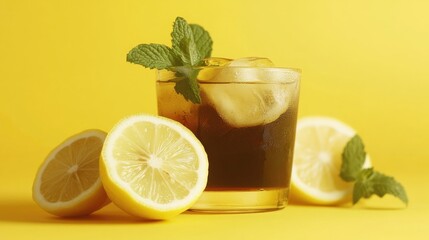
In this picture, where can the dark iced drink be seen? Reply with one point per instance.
(246, 123)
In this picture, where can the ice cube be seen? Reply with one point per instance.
(278, 75)
(249, 104)
(243, 70)
(213, 68)
(216, 62)
(249, 91)
(251, 62)
(237, 70)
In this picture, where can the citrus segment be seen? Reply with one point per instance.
(68, 183)
(317, 161)
(153, 167)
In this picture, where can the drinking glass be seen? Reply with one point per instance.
(246, 122)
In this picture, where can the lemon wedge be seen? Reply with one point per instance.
(153, 167)
(317, 161)
(68, 183)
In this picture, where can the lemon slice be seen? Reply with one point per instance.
(153, 167)
(68, 183)
(250, 92)
(317, 161)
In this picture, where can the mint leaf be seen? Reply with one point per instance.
(190, 45)
(202, 40)
(353, 159)
(371, 182)
(367, 181)
(183, 42)
(189, 52)
(188, 86)
(153, 56)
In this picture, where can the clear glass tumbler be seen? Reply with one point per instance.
(246, 122)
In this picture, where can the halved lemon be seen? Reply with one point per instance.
(319, 144)
(153, 167)
(68, 183)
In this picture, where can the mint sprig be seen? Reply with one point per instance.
(184, 44)
(367, 181)
(202, 40)
(191, 44)
(353, 159)
(153, 56)
(371, 182)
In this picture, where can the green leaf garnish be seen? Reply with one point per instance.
(153, 56)
(189, 84)
(371, 182)
(353, 159)
(202, 40)
(190, 45)
(183, 42)
(367, 181)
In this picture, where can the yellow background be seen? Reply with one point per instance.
(63, 70)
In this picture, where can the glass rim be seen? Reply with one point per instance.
(297, 70)
(287, 70)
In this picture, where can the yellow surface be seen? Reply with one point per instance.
(63, 70)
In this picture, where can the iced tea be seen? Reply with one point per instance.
(246, 123)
